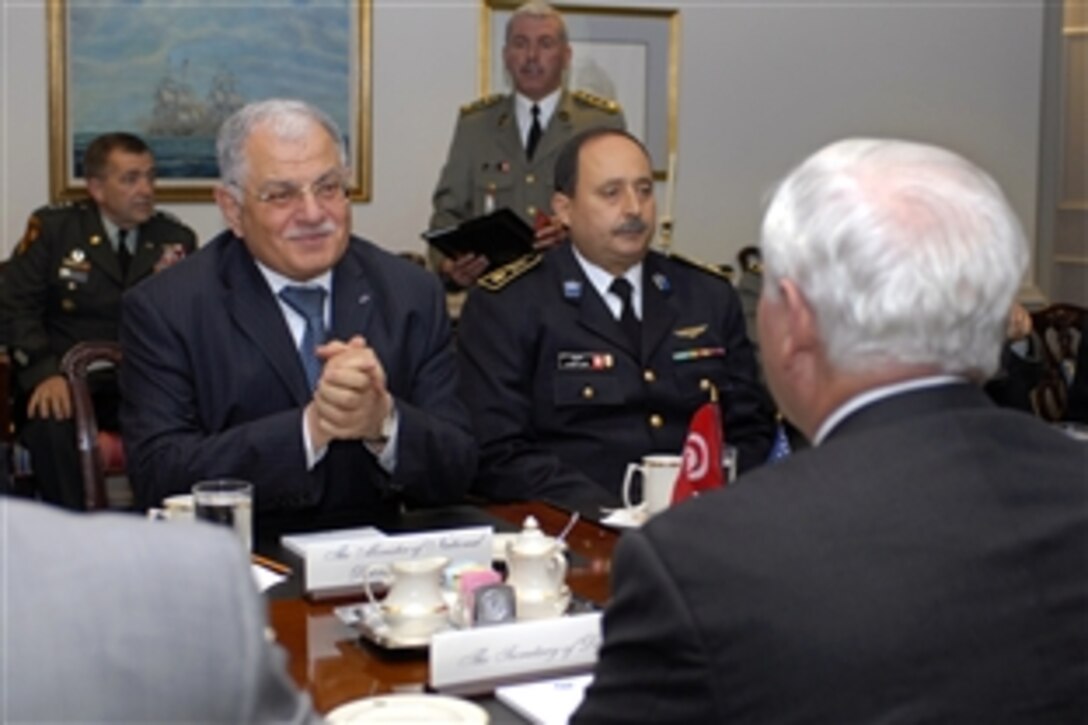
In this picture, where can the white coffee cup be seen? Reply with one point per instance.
(174, 508)
(228, 502)
(659, 473)
(414, 607)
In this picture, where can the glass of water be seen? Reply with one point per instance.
(228, 502)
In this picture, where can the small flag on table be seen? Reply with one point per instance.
(702, 466)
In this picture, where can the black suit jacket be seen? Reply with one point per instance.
(562, 401)
(212, 385)
(64, 283)
(927, 563)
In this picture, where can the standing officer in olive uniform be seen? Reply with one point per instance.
(504, 146)
(64, 285)
(580, 359)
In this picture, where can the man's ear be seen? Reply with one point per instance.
(804, 332)
(231, 209)
(94, 188)
(561, 207)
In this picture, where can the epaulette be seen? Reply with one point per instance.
(708, 268)
(497, 279)
(605, 104)
(481, 103)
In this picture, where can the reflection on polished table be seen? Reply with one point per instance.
(328, 659)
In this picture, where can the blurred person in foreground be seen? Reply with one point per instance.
(63, 286)
(290, 353)
(108, 618)
(504, 146)
(567, 381)
(927, 559)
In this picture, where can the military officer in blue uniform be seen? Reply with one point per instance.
(496, 158)
(64, 285)
(566, 380)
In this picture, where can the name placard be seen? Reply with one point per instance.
(471, 661)
(335, 566)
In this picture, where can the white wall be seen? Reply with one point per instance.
(762, 85)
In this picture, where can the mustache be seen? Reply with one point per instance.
(326, 227)
(631, 226)
(530, 67)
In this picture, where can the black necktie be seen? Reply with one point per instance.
(123, 255)
(535, 132)
(630, 324)
(310, 303)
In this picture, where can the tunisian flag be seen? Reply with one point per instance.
(702, 466)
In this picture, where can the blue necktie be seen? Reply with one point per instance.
(310, 303)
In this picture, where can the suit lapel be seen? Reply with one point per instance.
(592, 313)
(353, 301)
(507, 131)
(99, 246)
(658, 311)
(148, 252)
(257, 315)
(560, 127)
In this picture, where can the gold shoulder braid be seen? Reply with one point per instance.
(708, 268)
(605, 104)
(496, 279)
(481, 103)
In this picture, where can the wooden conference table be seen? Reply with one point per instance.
(327, 658)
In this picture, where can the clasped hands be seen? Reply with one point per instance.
(351, 400)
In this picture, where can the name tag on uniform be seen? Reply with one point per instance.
(585, 361)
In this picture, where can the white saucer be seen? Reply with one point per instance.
(626, 518)
(404, 708)
(544, 607)
(367, 618)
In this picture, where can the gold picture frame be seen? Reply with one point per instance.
(632, 52)
(140, 66)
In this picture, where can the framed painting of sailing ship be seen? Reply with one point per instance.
(627, 54)
(171, 72)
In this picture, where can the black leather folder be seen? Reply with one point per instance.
(501, 236)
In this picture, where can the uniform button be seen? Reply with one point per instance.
(705, 384)
(71, 286)
(656, 421)
(530, 178)
(588, 392)
(67, 305)
(531, 210)
(648, 375)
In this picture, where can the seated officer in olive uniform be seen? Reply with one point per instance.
(64, 286)
(566, 380)
(504, 146)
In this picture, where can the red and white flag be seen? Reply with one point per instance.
(702, 466)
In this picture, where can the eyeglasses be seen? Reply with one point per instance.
(326, 190)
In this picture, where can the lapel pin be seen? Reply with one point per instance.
(364, 298)
(661, 282)
(572, 289)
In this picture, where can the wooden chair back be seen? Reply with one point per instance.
(100, 452)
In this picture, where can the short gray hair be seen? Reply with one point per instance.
(537, 9)
(288, 118)
(907, 253)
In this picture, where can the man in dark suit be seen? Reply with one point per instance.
(64, 285)
(927, 559)
(496, 159)
(563, 395)
(112, 619)
(337, 412)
